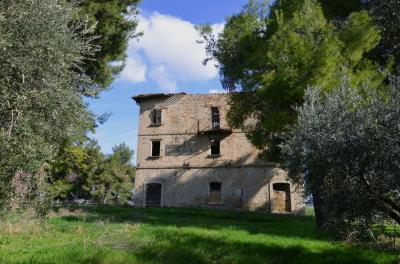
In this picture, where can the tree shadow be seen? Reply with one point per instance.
(251, 222)
(193, 248)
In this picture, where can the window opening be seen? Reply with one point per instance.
(155, 148)
(215, 147)
(215, 120)
(215, 186)
(156, 117)
(215, 192)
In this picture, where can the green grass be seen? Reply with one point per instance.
(125, 235)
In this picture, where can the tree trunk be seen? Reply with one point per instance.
(105, 199)
(320, 216)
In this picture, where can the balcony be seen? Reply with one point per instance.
(215, 132)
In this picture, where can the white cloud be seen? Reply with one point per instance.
(217, 28)
(213, 91)
(135, 69)
(161, 76)
(167, 53)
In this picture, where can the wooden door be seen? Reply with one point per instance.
(281, 198)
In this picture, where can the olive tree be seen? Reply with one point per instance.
(346, 147)
(42, 84)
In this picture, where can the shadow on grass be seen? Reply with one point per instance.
(178, 247)
(254, 223)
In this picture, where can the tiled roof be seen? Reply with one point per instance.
(138, 98)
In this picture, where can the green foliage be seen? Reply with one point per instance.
(82, 171)
(386, 14)
(42, 49)
(346, 145)
(159, 235)
(274, 56)
(115, 180)
(72, 168)
(115, 23)
(340, 9)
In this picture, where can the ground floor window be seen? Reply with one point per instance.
(215, 192)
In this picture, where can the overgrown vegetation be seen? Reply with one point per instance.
(42, 49)
(82, 171)
(124, 235)
(345, 146)
(269, 56)
(52, 55)
(272, 55)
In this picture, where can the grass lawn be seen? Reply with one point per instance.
(124, 235)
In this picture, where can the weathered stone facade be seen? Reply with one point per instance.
(176, 167)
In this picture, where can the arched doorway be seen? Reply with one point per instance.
(281, 198)
(153, 194)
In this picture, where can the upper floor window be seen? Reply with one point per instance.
(215, 147)
(215, 120)
(155, 148)
(156, 117)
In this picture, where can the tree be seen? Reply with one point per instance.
(115, 23)
(345, 144)
(81, 171)
(115, 182)
(386, 14)
(42, 50)
(267, 59)
(271, 57)
(73, 167)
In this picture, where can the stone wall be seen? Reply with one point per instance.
(185, 167)
(242, 188)
(183, 116)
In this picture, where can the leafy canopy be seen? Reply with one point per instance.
(42, 48)
(272, 55)
(346, 145)
(82, 171)
(115, 23)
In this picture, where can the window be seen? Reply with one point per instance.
(215, 193)
(156, 117)
(215, 122)
(215, 147)
(155, 148)
(215, 186)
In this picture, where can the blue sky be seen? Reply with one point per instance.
(166, 59)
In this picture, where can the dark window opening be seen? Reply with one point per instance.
(215, 186)
(215, 121)
(156, 117)
(215, 147)
(155, 148)
(215, 196)
(283, 187)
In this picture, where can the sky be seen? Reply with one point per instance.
(166, 58)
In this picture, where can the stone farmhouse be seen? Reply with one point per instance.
(188, 156)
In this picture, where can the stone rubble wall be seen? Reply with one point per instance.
(185, 167)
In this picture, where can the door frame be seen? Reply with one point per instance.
(271, 198)
(145, 192)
